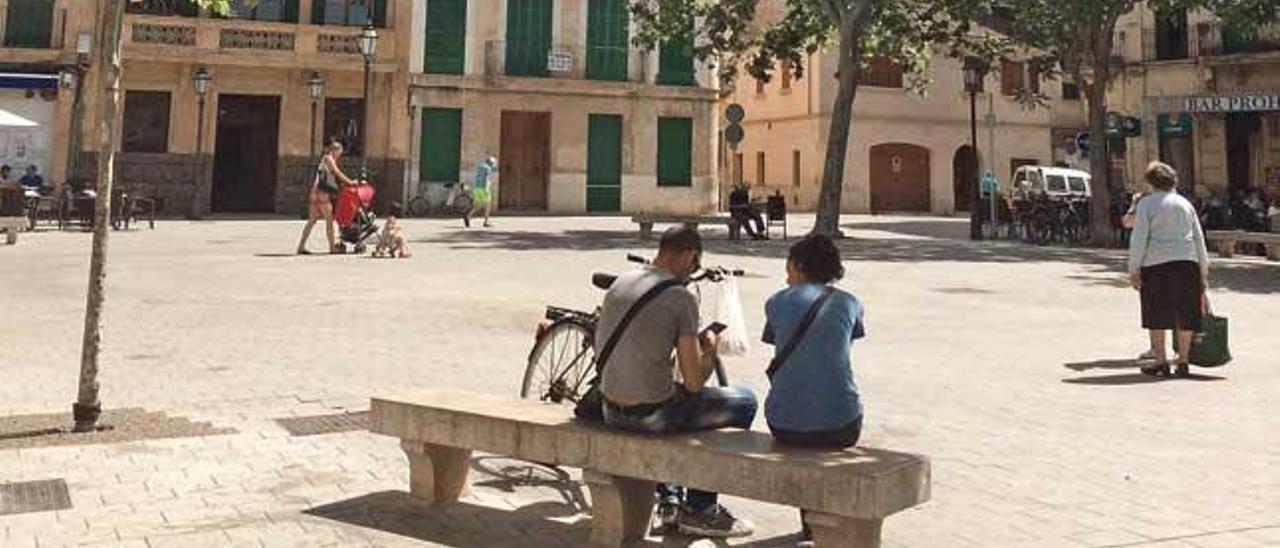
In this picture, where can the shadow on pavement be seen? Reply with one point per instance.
(507, 474)
(470, 525)
(1127, 379)
(1127, 363)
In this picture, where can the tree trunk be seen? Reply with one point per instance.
(87, 407)
(828, 221)
(1099, 160)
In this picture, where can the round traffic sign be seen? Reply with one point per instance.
(735, 113)
(734, 133)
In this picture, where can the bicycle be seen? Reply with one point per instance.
(458, 201)
(564, 347)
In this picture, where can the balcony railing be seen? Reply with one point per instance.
(32, 24)
(1219, 39)
(162, 34)
(601, 63)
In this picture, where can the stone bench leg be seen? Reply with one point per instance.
(1227, 249)
(646, 231)
(1273, 252)
(620, 508)
(437, 474)
(735, 231)
(10, 235)
(831, 531)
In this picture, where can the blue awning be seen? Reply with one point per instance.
(23, 80)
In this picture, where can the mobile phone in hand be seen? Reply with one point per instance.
(715, 327)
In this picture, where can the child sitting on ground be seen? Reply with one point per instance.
(392, 242)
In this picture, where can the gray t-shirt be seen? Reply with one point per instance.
(640, 370)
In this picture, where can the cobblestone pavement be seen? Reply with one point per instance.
(999, 361)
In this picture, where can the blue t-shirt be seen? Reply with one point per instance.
(482, 175)
(814, 390)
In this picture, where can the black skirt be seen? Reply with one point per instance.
(1171, 296)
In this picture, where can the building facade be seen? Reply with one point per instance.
(908, 152)
(1208, 96)
(579, 119)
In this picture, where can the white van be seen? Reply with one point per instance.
(1054, 182)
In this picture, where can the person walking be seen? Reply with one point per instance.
(1169, 266)
(813, 400)
(481, 191)
(324, 191)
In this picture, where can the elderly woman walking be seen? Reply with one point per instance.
(1169, 266)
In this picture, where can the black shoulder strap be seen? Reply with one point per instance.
(794, 341)
(603, 356)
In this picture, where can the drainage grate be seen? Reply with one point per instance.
(34, 496)
(325, 424)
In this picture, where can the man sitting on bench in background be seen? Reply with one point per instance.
(747, 215)
(638, 382)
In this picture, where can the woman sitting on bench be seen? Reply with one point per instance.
(813, 400)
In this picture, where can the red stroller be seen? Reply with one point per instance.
(355, 220)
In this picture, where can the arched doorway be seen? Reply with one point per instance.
(965, 177)
(899, 178)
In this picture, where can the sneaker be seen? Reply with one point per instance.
(714, 522)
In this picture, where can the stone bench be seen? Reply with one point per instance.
(1226, 241)
(10, 226)
(646, 222)
(847, 493)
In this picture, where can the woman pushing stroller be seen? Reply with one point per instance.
(329, 180)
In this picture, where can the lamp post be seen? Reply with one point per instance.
(315, 88)
(84, 46)
(200, 81)
(368, 46)
(974, 71)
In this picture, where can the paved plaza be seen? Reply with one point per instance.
(1008, 365)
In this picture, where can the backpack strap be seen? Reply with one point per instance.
(605, 351)
(794, 341)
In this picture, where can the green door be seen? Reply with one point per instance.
(607, 35)
(528, 37)
(446, 36)
(675, 152)
(604, 163)
(440, 149)
(29, 24)
(675, 62)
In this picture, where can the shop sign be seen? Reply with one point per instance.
(1175, 125)
(1246, 102)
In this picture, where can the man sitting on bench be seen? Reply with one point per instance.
(638, 378)
(747, 215)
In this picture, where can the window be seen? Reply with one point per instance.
(608, 29)
(146, 122)
(1012, 77)
(675, 62)
(1171, 35)
(344, 120)
(1057, 183)
(264, 10)
(760, 168)
(352, 13)
(759, 86)
(440, 149)
(1078, 185)
(528, 37)
(737, 168)
(164, 7)
(786, 75)
(675, 151)
(1070, 91)
(30, 24)
(882, 72)
(795, 167)
(446, 36)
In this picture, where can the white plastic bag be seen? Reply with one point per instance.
(722, 302)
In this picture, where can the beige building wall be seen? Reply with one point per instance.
(484, 92)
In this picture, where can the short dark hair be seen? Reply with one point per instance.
(818, 258)
(395, 209)
(1161, 176)
(680, 239)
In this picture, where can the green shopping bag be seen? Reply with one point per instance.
(1210, 348)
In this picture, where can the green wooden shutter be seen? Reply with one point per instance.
(440, 150)
(29, 24)
(675, 151)
(317, 12)
(379, 14)
(528, 37)
(290, 11)
(675, 62)
(604, 163)
(446, 36)
(607, 35)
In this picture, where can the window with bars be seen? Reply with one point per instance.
(146, 122)
(760, 173)
(786, 75)
(1070, 91)
(795, 167)
(344, 120)
(882, 72)
(1012, 77)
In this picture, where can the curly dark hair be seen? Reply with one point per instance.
(818, 258)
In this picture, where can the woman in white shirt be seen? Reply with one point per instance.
(1169, 266)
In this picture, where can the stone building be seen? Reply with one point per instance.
(909, 152)
(579, 119)
(1208, 96)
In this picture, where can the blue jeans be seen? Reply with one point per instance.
(708, 409)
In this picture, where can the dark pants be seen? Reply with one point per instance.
(747, 217)
(839, 438)
(708, 409)
(1171, 296)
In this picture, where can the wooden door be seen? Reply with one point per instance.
(899, 178)
(525, 165)
(245, 154)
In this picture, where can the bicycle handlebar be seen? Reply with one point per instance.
(712, 273)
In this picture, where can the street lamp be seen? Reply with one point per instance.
(315, 88)
(200, 81)
(975, 70)
(368, 46)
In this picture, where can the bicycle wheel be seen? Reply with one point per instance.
(560, 364)
(463, 204)
(419, 206)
